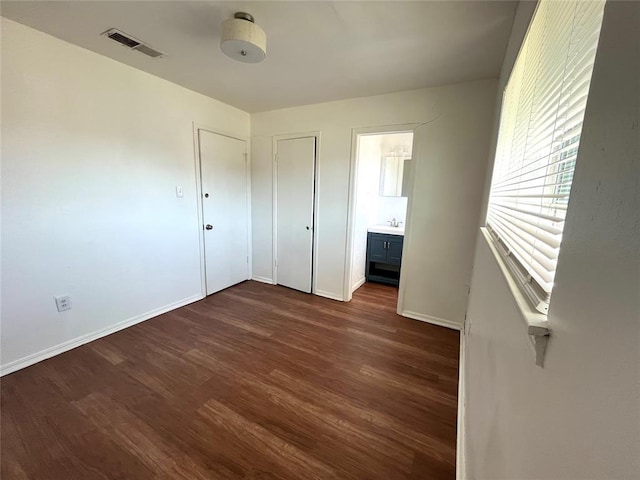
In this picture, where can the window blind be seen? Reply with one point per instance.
(539, 135)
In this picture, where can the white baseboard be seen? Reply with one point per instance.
(90, 337)
(358, 284)
(332, 296)
(262, 279)
(429, 319)
(461, 465)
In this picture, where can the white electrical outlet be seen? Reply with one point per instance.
(63, 303)
(179, 191)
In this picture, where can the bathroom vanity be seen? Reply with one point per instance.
(384, 254)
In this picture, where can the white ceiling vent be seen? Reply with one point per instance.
(131, 43)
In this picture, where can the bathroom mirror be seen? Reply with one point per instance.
(394, 176)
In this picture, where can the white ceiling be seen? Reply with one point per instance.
(316, 51)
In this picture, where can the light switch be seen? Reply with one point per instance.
(179, 192)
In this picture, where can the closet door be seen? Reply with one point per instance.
(295, 164)
(223, 166)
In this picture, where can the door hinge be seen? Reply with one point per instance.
(276, 158)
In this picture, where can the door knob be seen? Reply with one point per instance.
(307, 228)
(209, 226)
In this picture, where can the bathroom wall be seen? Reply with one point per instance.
(390, 208)
(395, 207)
(367, 202)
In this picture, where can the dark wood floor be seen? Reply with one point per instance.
(256, 382)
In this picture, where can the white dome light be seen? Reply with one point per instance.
(243, 40)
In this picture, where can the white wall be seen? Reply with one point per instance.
(444, 205)
(453, 148)
(91, 153)
(366, 211)
(390, 208)
(579, 416)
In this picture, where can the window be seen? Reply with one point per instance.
(539, 137)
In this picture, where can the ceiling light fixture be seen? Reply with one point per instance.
(243, 40)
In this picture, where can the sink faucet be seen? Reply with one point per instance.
(394, 223)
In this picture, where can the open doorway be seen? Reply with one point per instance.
(382, 168)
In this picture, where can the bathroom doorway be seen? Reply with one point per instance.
(382, 174)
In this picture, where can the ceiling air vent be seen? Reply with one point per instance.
(131, 43)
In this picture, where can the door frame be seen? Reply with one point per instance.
(198, 183)
(274, 224)
(351, 209)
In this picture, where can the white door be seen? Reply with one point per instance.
(295, 164)
(223, 166)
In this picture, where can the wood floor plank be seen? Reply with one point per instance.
(137, 437)
(254, 382)
(263, 442)
(387, 425)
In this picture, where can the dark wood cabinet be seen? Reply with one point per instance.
(384, 256)
(377, 247)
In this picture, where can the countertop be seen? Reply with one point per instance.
(386, 229)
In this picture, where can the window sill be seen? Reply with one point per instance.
(537, 324)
